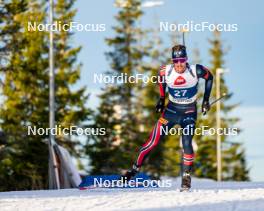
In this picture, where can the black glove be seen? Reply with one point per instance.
(205, 107)
(160, 105)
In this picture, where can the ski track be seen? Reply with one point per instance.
(205, 195)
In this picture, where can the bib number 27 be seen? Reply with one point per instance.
(180, 93)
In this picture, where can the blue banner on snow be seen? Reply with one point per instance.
(141, 180)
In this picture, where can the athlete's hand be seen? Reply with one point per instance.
(160, 105)
(205, 107)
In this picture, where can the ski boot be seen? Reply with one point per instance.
(129, 174)
(186, 181)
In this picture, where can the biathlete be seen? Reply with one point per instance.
(181, 80)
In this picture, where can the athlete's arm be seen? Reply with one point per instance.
(203, 72)
(162, 89)
(161, 81)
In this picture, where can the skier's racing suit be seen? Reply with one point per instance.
(181, 108)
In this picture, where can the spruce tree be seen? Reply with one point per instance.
(9, 27)
(26, 93)
(118, 108)
(24, 101)
(233, 156)
(70, 102)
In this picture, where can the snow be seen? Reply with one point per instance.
(205, 195)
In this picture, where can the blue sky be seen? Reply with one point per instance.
(244, 58)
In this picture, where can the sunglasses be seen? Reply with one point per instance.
(181, 60)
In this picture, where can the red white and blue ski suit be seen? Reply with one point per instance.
(181, 108)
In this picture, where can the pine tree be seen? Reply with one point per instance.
(233, 156)
(26, 93)
(118, 108)
(70, 103)
(22, 166)
(9, 11)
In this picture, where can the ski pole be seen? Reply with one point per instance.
(212, 103)
(223, 95)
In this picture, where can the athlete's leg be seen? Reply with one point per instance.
(160, 129)
(188, 125)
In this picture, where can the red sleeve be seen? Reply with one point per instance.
(161, 81)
